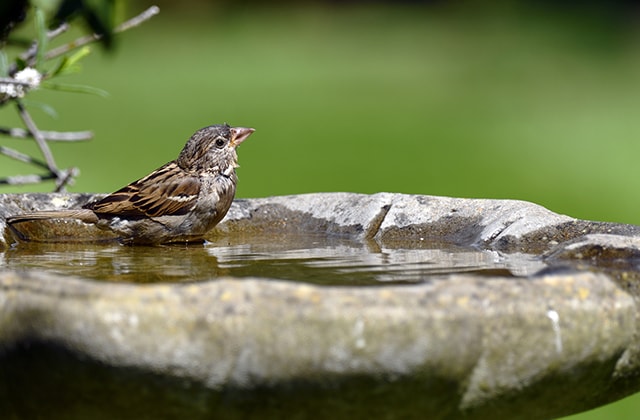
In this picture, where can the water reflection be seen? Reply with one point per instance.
(315, 259)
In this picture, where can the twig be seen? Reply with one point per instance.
(37, 135)
(131, 23)
(14, 154)
(29, 55)
(26, 179)
(64, 178)
(138, 20)
(11, 81)
(19, 133)
(64, 27)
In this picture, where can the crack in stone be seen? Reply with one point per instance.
(377, 221)
(491, 239)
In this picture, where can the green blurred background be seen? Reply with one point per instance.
(535, 101)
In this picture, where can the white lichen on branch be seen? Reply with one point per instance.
(23, 81)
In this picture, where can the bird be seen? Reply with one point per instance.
(177, 203)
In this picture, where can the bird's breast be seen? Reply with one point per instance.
(216, 196)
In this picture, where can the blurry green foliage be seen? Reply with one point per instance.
(12, 13)
(367, 99)
(98, 15)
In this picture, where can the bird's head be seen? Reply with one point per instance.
(213, 149)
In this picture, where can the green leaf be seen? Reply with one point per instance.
(66, 87)
(49, 6)
(79, 55)
(60, 68)
(20, 63)
(47, 109)
(41, 32)
(4, 65)
(69, 64)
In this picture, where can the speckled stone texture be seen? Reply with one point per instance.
(545, 345)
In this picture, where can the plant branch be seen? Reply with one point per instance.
(11, 81)
(26, 179)
(64, 27)
(19, 133)
(29, 55)
(37, 135)
(64, 178)
(131, 23)
(14, 154)
(36, 54)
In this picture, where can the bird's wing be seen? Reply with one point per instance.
(166, 191)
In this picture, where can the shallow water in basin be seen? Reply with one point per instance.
(314, 259)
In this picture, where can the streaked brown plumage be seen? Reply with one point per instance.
(178, 202)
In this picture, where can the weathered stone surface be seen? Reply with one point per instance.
(394, 217)
(599, 246)
(505, 225)
(550, 343)
(504, 346)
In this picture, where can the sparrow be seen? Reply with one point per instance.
(177, 203)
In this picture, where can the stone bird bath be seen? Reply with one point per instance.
(481, 308)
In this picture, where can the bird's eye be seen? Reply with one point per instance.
(220, 143)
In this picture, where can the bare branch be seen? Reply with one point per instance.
(138, 20)
(65, 178)
(62, 177)
(26, 179)
(131, 23)
(11, 81)
(19, 133)
(64, 27)
(37, 135)
(29, 55)
(14, 154)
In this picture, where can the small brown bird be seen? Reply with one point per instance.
(178, 202)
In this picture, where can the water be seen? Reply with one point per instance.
(316, 259)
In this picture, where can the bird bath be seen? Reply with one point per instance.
(319, 305)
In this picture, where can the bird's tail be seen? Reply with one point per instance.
(84, 215)
(29, 227)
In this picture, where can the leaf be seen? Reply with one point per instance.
(41, 32)
(69, 64)
(4, 65)
(47, 109)
(61, 68)
(66, 87)
(79, 55)
(20, 63)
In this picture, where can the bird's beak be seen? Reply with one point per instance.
(240, 134)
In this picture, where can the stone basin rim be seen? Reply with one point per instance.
(501, 345)
(383, 217)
